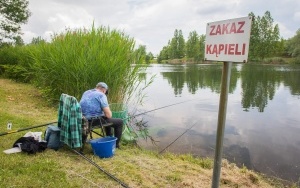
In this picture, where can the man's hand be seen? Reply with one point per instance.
(107, 112)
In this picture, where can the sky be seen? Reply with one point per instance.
(152, 22)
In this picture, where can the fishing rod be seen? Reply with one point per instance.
(23, 129)
(177, 138)
(101, 169)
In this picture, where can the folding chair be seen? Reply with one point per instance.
(89, 126)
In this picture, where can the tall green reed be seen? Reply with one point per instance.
(76, 60)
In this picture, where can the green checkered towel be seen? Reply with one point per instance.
(69, 121)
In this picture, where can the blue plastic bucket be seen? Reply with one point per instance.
(104, 147)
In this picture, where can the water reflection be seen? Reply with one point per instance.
(262, 123)
(257, 90)
(259, 82)
(198, 77)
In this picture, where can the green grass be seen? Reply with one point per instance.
(24, 107)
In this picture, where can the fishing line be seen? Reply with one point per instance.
(133, 116)
(101, 169)
(162, 107)
(177, 138)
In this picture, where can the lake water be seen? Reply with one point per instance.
(262, 129)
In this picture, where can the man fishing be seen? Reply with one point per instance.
(95, 107)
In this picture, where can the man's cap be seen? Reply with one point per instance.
(103, 85)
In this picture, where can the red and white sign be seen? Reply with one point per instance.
(228, 40)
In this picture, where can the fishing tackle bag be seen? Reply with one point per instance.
(52, 137)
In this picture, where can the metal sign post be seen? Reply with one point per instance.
(226, 41)
(221, 122)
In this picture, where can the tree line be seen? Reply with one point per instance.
(265, 42)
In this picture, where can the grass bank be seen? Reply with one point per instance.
(23, 105)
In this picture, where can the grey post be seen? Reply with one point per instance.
(221, 123)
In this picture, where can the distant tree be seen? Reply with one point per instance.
(177, 48)
(140, 53)
(13, 13)
(37, 40)
(177, 45)
(264, 37)
(181, 45)
(193, 45)
(202, 47)
(293, 46)
(280, 47)
(18, 41)
(254, 46)
(149, 57)
(163, 55)
(173, 54)
(169, 50)
(270, 35)
(275, 37)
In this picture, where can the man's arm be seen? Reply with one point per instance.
(107, 112)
